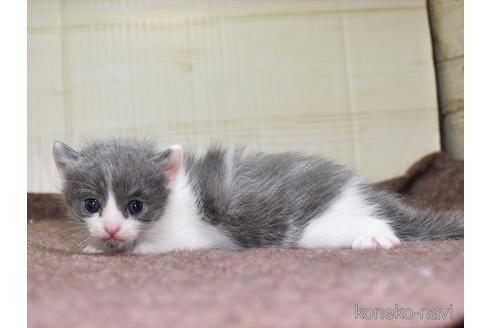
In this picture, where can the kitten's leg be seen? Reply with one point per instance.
(147, 248)
(349, 221)
(358, 232)
(90, 249)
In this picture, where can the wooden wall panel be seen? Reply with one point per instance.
(353, 81)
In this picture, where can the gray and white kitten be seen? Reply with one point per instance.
(133, 198)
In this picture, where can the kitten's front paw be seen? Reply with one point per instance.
(143, 249)
(91, 250)
(150, 249)
(371, 242)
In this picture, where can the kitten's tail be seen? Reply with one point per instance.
(410, 223)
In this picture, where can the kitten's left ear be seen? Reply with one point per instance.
(65, 157)
(170, 161)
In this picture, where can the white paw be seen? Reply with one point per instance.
(91, 250)
(370, 242)
(143, 249)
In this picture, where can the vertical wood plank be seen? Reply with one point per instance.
(447, 30)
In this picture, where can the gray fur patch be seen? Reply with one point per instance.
(410, 223)
(263, 199)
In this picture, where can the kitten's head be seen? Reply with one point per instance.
(117, 187)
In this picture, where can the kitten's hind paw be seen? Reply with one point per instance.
(371, 242)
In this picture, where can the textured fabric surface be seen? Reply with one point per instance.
(435, 181)
(262, 287)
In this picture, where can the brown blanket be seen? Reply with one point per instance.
(262, 287)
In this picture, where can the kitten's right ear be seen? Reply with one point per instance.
(64, 157)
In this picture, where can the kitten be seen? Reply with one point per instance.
(132, 198)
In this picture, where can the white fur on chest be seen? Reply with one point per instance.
(181, 227)
(347, 222)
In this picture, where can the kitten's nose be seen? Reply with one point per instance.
(111, 229)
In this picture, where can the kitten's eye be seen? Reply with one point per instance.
(91, 205)
(135, 207)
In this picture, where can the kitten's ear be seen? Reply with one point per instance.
(170, 161)
(64, 157)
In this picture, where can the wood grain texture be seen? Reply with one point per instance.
(353, 81)
(448, 24)
(447, 31)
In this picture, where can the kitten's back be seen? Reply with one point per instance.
(263, 199)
